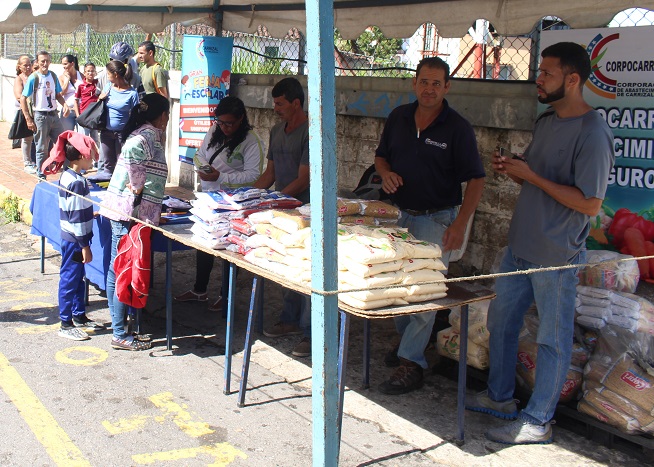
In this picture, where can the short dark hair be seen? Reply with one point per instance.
(290, 89)
(43, 52)
(149, 46)
(434, 62)
(72, 153)
(573, 58)
(89, 64)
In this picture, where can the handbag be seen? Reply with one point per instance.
(94, 116)
(19, 129)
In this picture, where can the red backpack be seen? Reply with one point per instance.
(132, 266)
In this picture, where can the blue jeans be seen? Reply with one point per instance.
(117, 309)
(71, 284)
(554, 293)
(416, 329)
(296, 309)
(48, 128)
(68, 123)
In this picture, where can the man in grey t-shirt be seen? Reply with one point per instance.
(288, 169)
(564, 174)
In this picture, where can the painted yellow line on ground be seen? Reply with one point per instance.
(58, 445)
(223, 454)
(125, 425)
(97, 356)
(182, 418)
(38, 329)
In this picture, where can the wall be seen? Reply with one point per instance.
(502, 113)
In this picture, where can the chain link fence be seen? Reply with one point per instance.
(480, 54)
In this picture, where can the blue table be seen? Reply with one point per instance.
(45, 223)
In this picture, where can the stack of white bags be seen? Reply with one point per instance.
(388, 260)
(598, 307)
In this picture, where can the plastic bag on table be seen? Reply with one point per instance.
(621, 276)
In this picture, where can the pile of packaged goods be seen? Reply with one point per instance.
(213, 211)
(618, 388)
(449, 340)
(598, 307)
(387, 259)
(362, 212)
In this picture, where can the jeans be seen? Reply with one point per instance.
(554, 293)
(71, 284)
(111, 147)
(296, 309)
(68, 123)
(117, 310)
(48, 127)
(416, 329)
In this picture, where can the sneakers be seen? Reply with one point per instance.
(283, 329)
(407, 378)
(30, 169)
(73, 333)
(521, 432)
(192, 296)
(89, 325)
(217, 306)
(480, 402)
(130, 344)
(391, 359)
(303, 348)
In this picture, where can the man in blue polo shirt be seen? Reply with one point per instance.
(427, 150)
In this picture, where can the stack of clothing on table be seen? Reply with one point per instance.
(213, 210)
(369, 257)
(598, 307)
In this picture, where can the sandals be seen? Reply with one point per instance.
(192, 296)
(217, 306)
(129, 344)
(142, 337)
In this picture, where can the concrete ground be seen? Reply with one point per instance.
(81, 403)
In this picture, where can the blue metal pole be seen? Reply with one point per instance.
(322, 155)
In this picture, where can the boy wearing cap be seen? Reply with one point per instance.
(76, 221)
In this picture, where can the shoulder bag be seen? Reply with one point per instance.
(94, 116)
(19, 129)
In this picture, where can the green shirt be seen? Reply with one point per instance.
(148, 76)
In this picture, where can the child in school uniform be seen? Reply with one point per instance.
(76, 220)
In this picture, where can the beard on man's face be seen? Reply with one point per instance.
(553, 96)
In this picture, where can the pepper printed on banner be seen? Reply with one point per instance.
(206, 74)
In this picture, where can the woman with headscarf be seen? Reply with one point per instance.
(141, 169)
(234, 155)
(23, 70)
(70, 80)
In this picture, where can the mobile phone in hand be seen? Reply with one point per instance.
(77, 256)
(204, 168)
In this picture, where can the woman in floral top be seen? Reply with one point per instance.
(141, 169)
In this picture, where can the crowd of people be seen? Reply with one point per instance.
(426, 152)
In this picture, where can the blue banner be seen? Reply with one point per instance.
(206, 72)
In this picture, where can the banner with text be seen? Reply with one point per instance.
(206, 71)
(621, 88)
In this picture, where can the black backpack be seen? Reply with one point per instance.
(370, 185)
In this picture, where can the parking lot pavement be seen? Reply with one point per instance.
(82, 403)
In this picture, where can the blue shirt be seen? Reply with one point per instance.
(119, 106)
(432, 164)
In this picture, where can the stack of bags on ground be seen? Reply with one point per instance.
(212, 211)
(598, 307)
(449, 340)
(613, 271)
(619, 381)
(393, 267)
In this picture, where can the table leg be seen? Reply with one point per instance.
(229, 333)
(259, 303)
(42, 255)
(247, 352)
(342, 364)
(463, 367)
(169, 294)
(366, 354)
